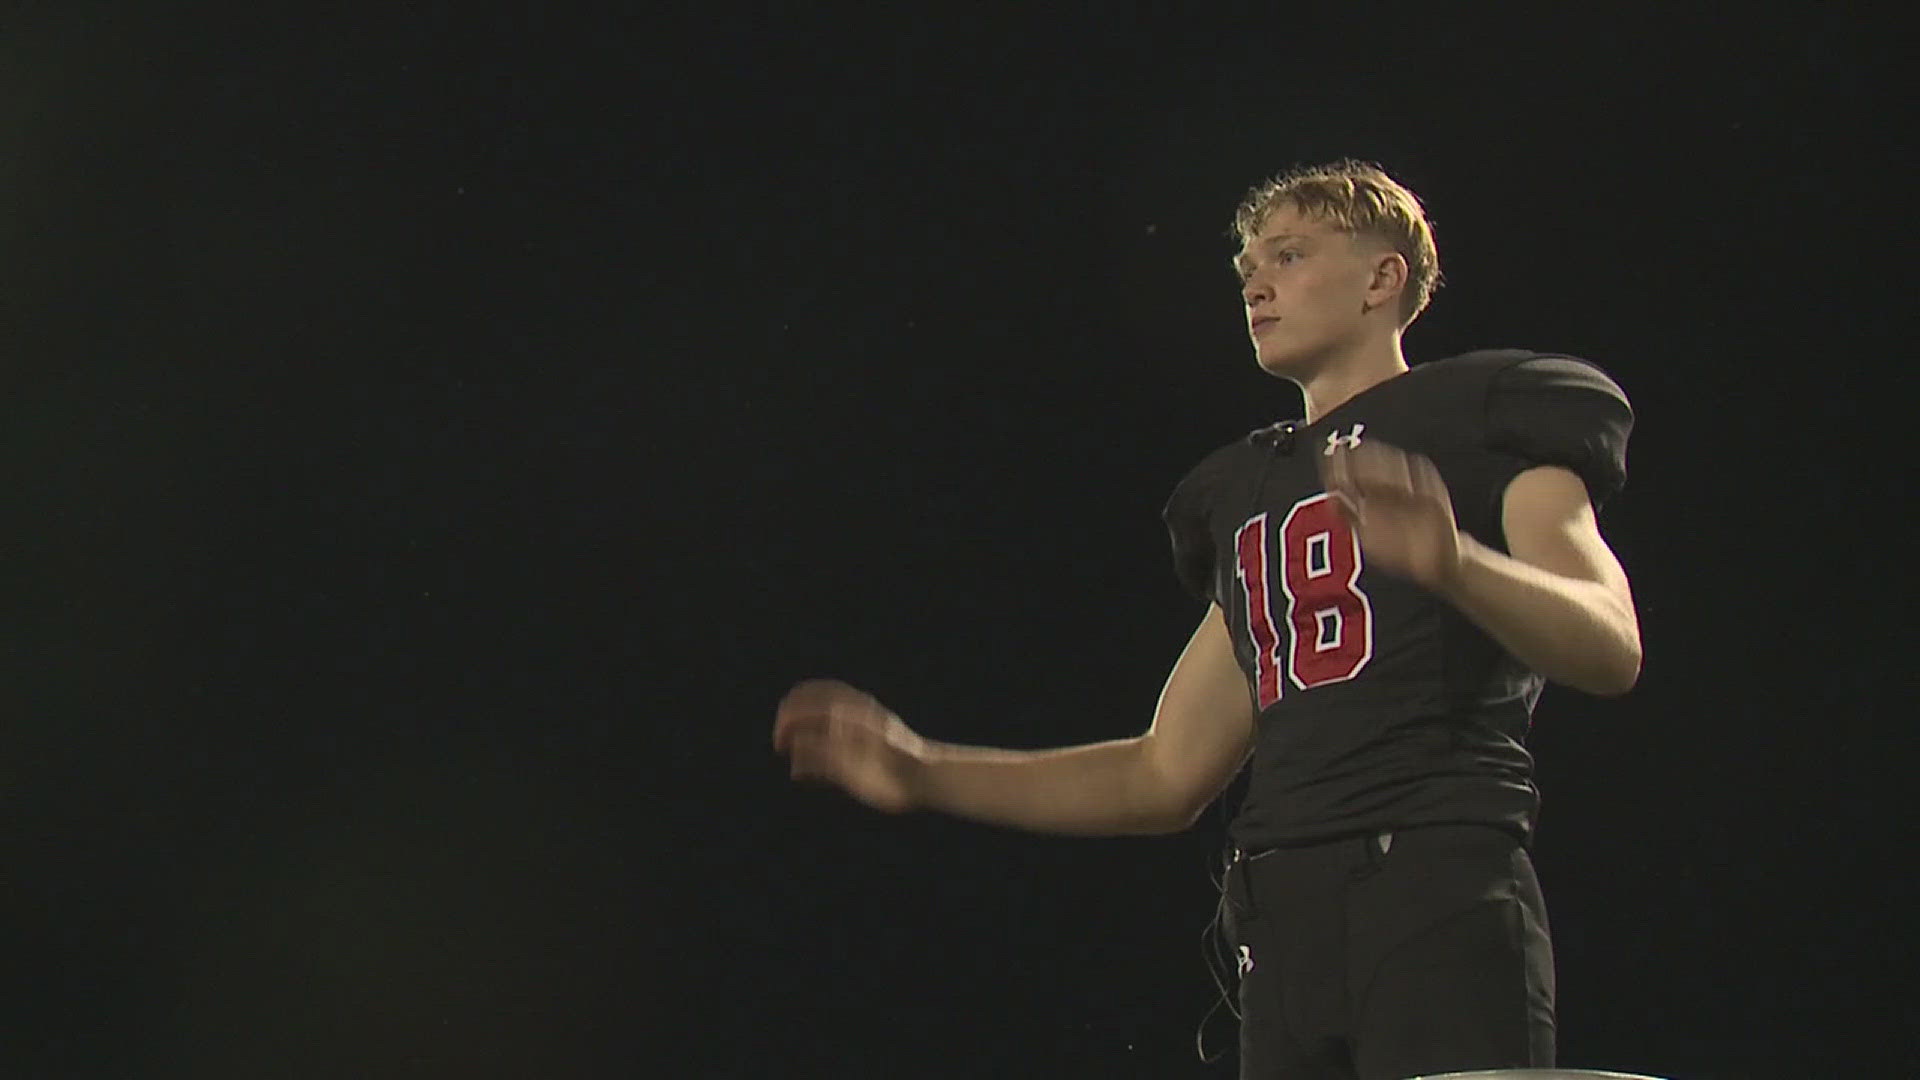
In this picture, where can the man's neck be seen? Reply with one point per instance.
(1344, 375)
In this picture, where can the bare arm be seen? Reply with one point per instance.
(1156, 782)
(1203, 728)
(1560, 603)
(1097, 789)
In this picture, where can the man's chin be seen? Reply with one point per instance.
(1279, 363)
(1295, 358)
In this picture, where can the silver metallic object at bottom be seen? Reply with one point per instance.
(1535, 1074)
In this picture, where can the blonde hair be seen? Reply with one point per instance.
(1360, 199)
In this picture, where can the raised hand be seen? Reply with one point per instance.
(1399, 507)
(836, 733)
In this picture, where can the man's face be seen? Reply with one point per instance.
(1304, 284)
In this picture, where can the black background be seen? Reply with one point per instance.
(436, 437)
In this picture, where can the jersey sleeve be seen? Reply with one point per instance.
(1187, 516)
(1557, 410)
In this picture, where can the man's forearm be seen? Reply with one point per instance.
(1570, 631)
(1099, 789)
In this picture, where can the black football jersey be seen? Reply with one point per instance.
(1379, 705)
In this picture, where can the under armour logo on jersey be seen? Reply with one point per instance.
(1245, 963)
(1352, 441)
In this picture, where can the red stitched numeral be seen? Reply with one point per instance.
(1329, 618)
(1251, 542)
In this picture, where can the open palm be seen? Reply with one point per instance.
(1399, 507)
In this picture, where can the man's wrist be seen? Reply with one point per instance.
(1454, 573)
(915, 762)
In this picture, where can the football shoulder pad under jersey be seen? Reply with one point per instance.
(1186, 516)
(1548, 409)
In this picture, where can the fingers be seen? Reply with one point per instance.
(811, 743)
(1335, 476)
(829, 749)
(826, 719)
(813, 695)
(807, 757)
(1396, 467)
(1373, 469)
(1379, 469)
(1345, 478)
(813, 698)
(1427, 479)
(1348, 508)
(1379, 473)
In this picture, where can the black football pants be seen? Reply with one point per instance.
(1391, 955)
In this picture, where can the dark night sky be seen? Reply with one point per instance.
(434, 443)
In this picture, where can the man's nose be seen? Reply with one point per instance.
(1254, 292)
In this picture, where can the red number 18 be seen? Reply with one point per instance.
(1329, 619)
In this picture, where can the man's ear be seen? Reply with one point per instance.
(1389, 275)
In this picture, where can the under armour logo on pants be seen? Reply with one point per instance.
(1245, 962)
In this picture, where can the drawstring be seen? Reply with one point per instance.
(1213, 950)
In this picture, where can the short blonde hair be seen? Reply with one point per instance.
(1360, 199)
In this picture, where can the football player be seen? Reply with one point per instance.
(1390, 580)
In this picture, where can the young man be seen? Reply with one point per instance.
(1390, 580)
